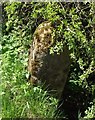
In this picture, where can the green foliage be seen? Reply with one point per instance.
(73, 25)
(23, 101)
(90, 112)
(19, 98)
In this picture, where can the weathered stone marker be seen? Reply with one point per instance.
(51, 70)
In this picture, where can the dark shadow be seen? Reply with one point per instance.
(74, 101)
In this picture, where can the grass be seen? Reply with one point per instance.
(28, 102)
(19, 98)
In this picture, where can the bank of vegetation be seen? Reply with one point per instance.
(74, 25)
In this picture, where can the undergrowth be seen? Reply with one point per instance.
(20, 98)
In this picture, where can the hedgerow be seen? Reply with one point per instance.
(73, 25)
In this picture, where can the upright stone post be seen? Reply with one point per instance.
(51, 70)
